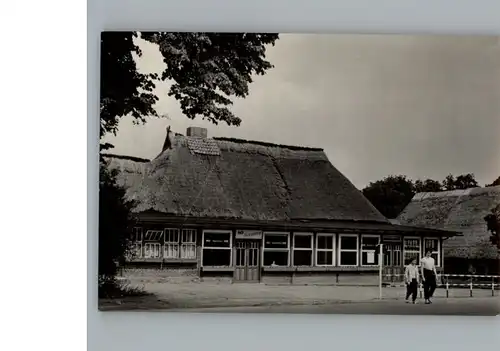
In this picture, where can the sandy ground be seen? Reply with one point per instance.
(212, 295)
(475, 306)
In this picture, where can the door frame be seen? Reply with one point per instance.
(249, 245)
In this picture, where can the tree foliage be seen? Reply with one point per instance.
(393, 193)
(493, 225)
(464, 181)
(115, 225)
(428, 185)
(496, 182)
(124, 90)
(206, 71)
(390, 195)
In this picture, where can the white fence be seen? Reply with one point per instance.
(473, 281)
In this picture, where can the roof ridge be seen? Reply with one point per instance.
(126, 157)
(456, 192)
(268, 144)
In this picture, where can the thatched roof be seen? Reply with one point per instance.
(240, 179)
(458, 210)
(122, 157)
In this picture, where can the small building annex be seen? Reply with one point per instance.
(259, 212)
(464, 211)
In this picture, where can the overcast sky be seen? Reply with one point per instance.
(378, 105)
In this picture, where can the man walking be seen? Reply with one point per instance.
(429, 275)
(411, 279)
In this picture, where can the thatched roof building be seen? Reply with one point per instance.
(239, 179)
(458, 210)
(252, 209)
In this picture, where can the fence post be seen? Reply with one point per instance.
(380, 270)
(470, 287)
(492, 286)
(447, 287)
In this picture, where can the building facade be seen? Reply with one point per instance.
(281, 254)
(258, 212)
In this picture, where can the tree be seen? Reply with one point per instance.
(393, 193)
(206, 71)
(496, 182)
(115, 226)
(462, 182)
(449, 182)
(429, 185)
(123, 90)
(390, 195)
(493, 226)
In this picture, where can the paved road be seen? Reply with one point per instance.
(460, 306)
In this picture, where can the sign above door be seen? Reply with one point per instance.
(386, 239)
(248, 234)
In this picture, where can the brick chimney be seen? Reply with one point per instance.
(197, 132)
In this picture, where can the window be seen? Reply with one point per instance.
(152, 243)
(411, 250)
(153, 235)
(276, 249)
(135, 248)
(392, 255)
(171, 247)
(302, 249)
(369, 253)
(216, 248)
(433, 245)
(152, 250)
(179, 244)
(136, 234)
(325, 250)
(188, 243)
(348, 249)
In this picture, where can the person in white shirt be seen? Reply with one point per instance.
(429, 275)
(411, 279)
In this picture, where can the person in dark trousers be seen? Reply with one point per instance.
(411, 279)
(429, 275)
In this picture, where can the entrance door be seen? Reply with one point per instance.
(247, 261)
(393, 268)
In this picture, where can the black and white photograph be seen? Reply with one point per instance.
(299, 173)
